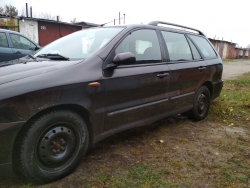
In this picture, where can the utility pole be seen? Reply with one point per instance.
(27, 15)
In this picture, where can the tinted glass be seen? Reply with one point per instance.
(205, 48)
(81, 44)
(195, 52)
(21, 42)
(143, 44)
(177, 45)
(3, 40)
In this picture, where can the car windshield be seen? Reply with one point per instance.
(81, 44)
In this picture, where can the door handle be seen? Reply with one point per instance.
(162, 75)
(202, 68)
(18, 53)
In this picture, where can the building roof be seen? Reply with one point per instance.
(79, 24)
(218, 40)
(46, 20)
(87, 24)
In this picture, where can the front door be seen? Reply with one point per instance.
(6, 53)
(21, 46)
(137, 92)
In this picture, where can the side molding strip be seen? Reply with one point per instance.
(136, 107)
(179, 96)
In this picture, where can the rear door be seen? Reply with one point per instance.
(187, 70)
(138, 92)
(6, 52)
(21, 45)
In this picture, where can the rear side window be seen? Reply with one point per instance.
(178, 47)
(143, 44)
(195, 52)
(3, 40)
(205, 48)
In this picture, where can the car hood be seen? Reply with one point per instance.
(23, 70)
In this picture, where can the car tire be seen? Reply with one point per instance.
(52, 146)
(201, 104)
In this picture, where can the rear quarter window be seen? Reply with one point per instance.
(205, 48)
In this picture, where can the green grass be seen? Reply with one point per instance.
(27, 186)
(233, 105)
(233, 60)
(228, 60)
(139, 175)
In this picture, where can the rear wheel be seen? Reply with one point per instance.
(201, 104)
(52, 146)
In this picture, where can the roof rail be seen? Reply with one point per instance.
(155, 23)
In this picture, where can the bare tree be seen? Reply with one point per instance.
(46, 15)
(1, 10)
(9, 10)
(73, 20)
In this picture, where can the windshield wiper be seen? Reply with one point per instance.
(53, 56)
(32, 57)
(181, 60)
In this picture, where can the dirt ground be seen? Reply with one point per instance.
(183, 152)
(235, 68)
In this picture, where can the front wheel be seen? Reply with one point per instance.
(201, 104)
(52, 146)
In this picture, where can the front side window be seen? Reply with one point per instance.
(205, 48)
(81, 44)
(20, 42)
(177, 45)
(3, 40)
(143, 44)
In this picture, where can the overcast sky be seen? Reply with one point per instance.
(229, 19)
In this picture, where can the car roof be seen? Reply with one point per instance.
(164, 26)
(134, 26)
(176, 28)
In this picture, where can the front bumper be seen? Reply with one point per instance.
(8, 132)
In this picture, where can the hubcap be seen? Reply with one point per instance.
(202, 103)
(56, 146)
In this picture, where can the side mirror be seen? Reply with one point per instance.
(37, 47)
(124, 58)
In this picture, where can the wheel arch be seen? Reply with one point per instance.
(209, 85)
(83, 112)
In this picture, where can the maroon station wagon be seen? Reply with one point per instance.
(88, 85)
